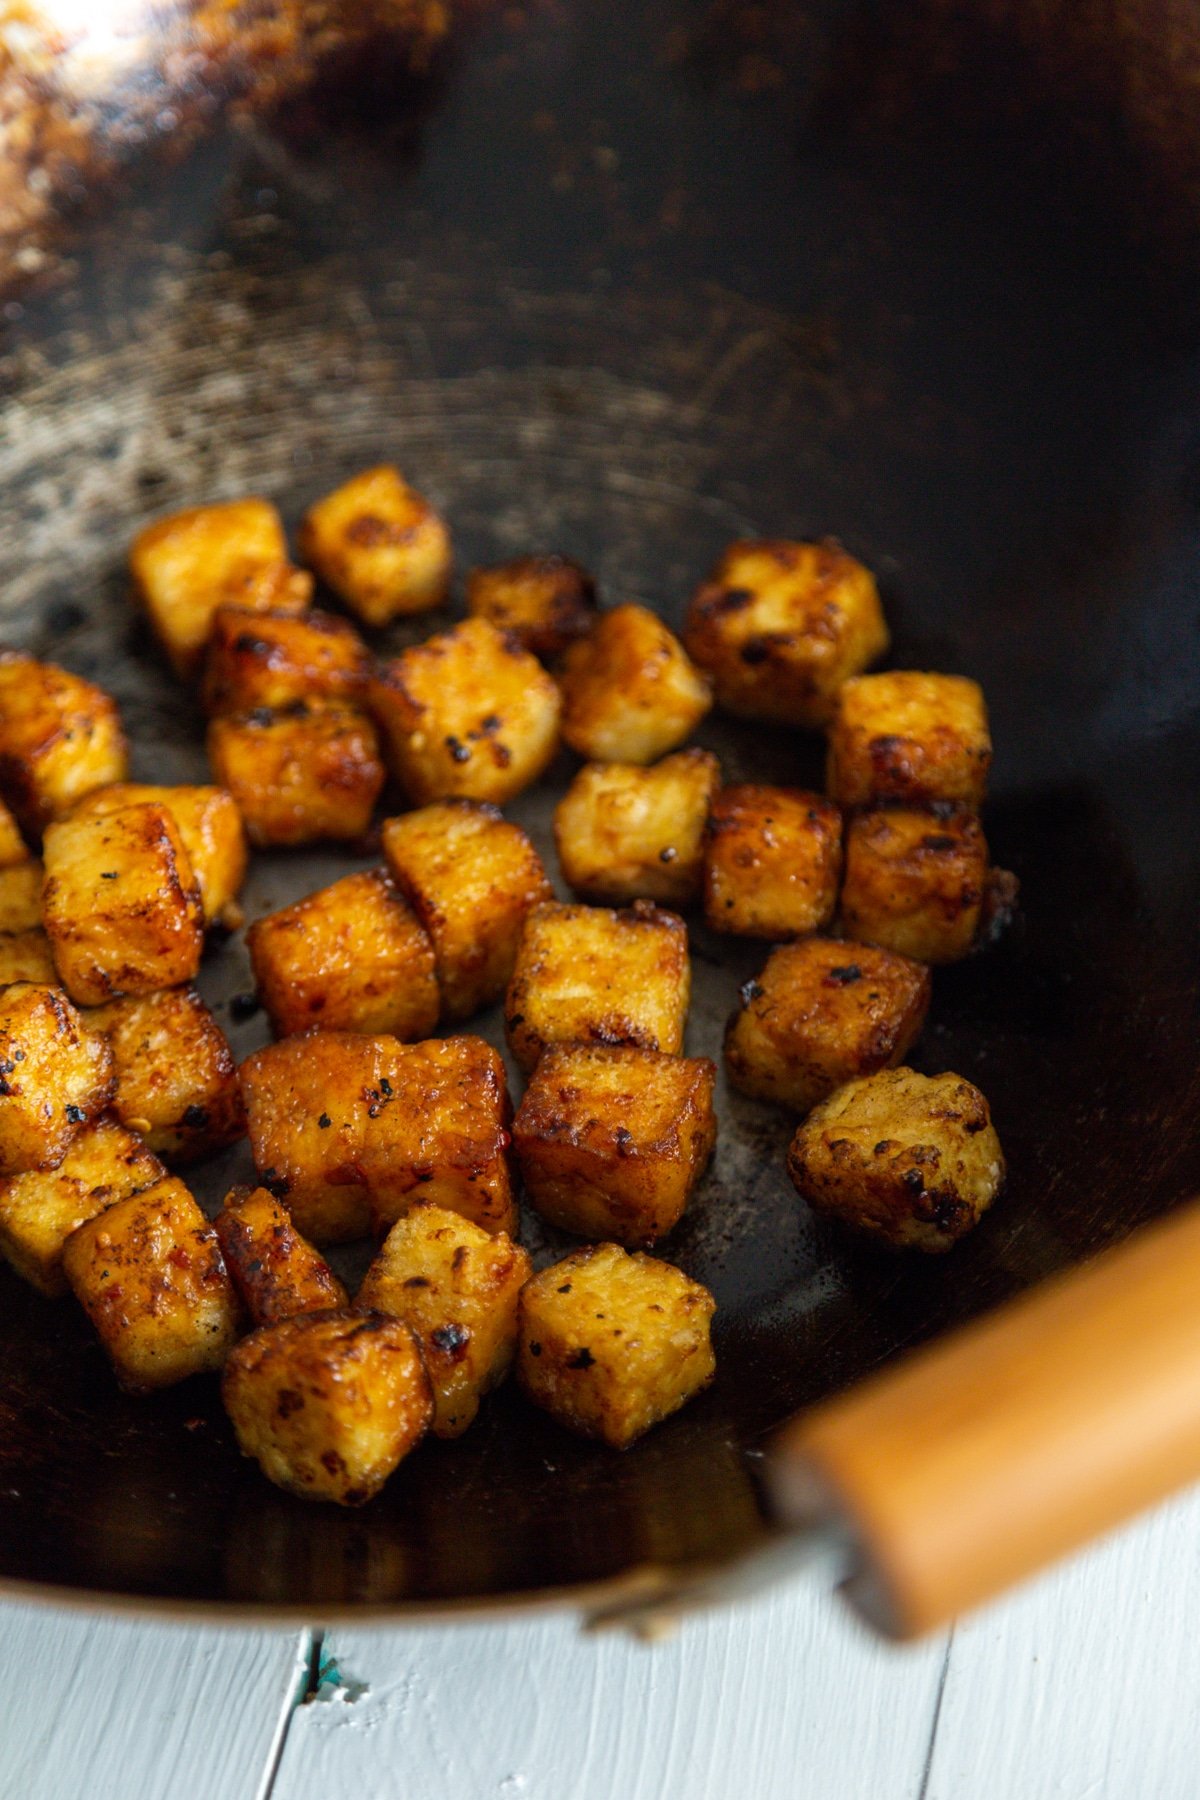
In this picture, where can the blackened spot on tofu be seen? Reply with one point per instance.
(274, 1182)
(516, 1020)
(250, 645)
(583, 1359)
(459, 1259)
(624, 1141)
(939, 840)
(458, 750)
(913, 1178)
(108, 874)
(243, 1006)
(535, 1349)
(324, 1122)
(195, 1117)
(490, 723)
(755, 650)
(451, 1340)
(733, 600)
(385, 1087)
(417, 1281)
(668, 855)
(287, 1402)
(261, 715)
(845, 974)
(75, 1114)
(565, 1288)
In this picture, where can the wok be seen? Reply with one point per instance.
(627, 284)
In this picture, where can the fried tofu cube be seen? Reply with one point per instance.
(13, 848)
(772, 861)
(276, 1272)
(273, 660)
(911, 1159)
(120, 903)
(625, 832)
(148, 1272)
(328, 1404)
(55, 1075)
(471, 877)
(779, 626)
(60, 737)
(468, 713)
(915, 882)
(211, 828)
(21, 896)
(613, 1341)
(379, 545)
(25, 956)
(909, 737)
(588, 975)
(40, 1209)
(301, 776)
(177, 1081)
(547, 602)
(458, 1289)
(630, 691)
(820, 1014)
(612, 1143)
(351, 957)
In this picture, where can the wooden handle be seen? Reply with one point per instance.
(978, 1459)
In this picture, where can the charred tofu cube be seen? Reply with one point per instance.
(379, 545)
(120, 904)
(625, 832)
(328, 1404)
(911, 1159)
(351, 957)
(25, 956)
(780, 626)
(820, 1014)
(630, 691)
(471, 877)
(55, 1075)
(547, 602)
(772, 862)
(611, 1143)
(469, 714)
(40, 1209)
(588, 975)
(13, 848)
(148, 1273)
(612, 1341)
(301, 776)
(60, 737)
(909, 737)
(273, 660)
(276, 1272)
(21, 896)
(458, 1289)
(915, 882)
(211, 828)
(177, 1083)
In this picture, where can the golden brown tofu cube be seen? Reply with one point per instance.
(148, 1273)
(276, 1272)
(120, 904)
(13, 848)
(780, 626)
(772, 861)
(547, 602)
(55, 1075)
(909, 737)
(328, 1404)
(820, 1014)
(611, 1143)
(351, 957)
(301, 776)
(40, 1209)
(60, 737)
(912, 1159)
(21, 896)
(177, 1079)
(915, 882)
(458, 1289)
(211, 828)
(625, 832)
(612, 1341)
(588, 975)
(273, 660)
(467, 713)
(471, 877)
(379, 545)
(630, 691)
(25, 956)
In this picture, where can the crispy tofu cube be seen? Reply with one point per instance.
(177, 1081)
(379, 545)
(547, 602)
(630, 691)
(911, 1159)
(120, 904)
(55, 1075)
(351, 957)
(909, 737)
(21, 896)
(468, 713)
(301, 776)
(772, 861)
(625, 832)
(211, 828)
(612, 1143)
(612, 1342)
(60, 737)
(820, 1014)
(780, 626)
(328, 1404)
(276, 1272)
(13, 848)
(40, 1209)
(915, 882)
(148, 1273)
(588, 975)
(458, 1289)
(25, 956)
(471, 877)
(275, 659)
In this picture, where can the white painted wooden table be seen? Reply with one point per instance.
(1086, 1684)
